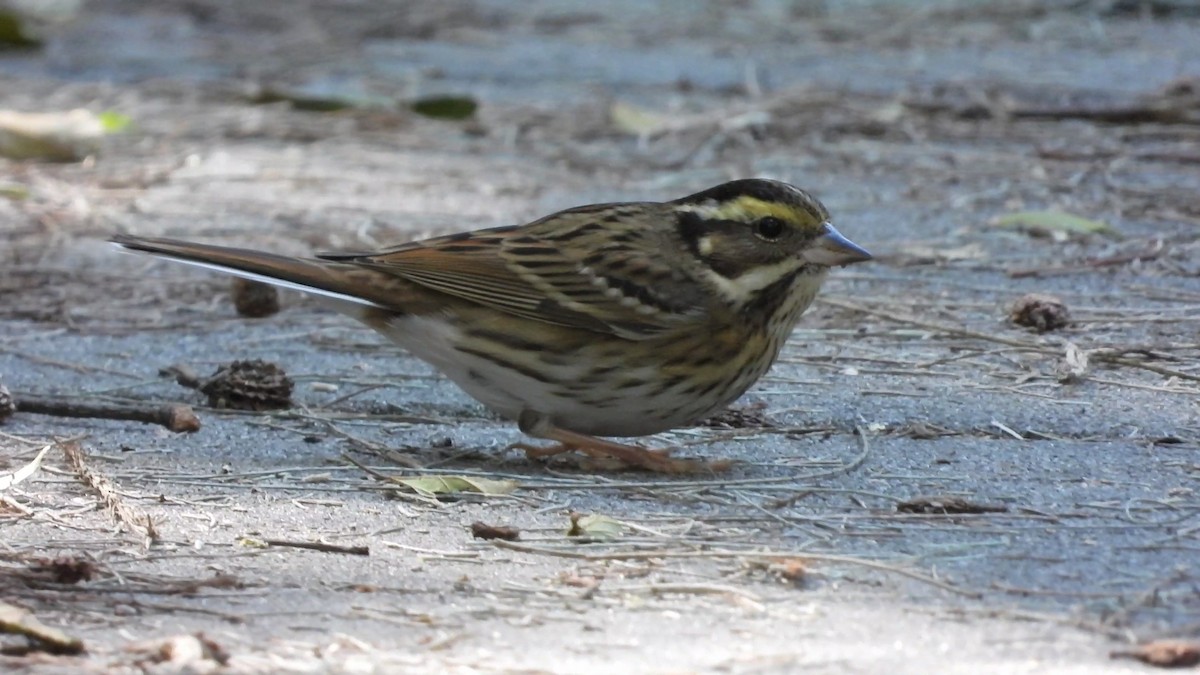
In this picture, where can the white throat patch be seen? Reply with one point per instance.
(739, 290)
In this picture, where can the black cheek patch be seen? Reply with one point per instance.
(730, 268)
(692, 229)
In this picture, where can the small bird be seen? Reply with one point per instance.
(621, 319)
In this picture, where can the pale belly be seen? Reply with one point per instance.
(629, 401)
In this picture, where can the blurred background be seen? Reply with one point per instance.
(327, 124)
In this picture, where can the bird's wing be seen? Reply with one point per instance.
(534, 272)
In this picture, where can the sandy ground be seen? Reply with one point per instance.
(1074, 451)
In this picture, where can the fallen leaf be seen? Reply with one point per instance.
(14, 191)
(792, 570)
(1057, 224)
(18, 621)
(445, 107)
(441, 485)
(14, 32)
(57, 136)
(1163, 653)
(595, 526)
(484, 531)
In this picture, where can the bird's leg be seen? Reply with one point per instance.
(539, 426)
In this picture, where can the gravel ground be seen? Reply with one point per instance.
(920, 484)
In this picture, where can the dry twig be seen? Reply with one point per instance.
(127, 515)
(319, 546)
(174, 416)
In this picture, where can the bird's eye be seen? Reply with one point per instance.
(769, 228)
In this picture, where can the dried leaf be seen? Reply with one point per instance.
(8, 480)
(794, 570)
(17, 621)
(14, 32)
(14, 191)
(446, 107)
(441, 485)
(486, 532)
(595, 526)
(1055, 224)
(58, 136)
(1163, 653)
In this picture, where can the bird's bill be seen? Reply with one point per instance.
(832, 249)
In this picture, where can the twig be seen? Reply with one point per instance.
(370, 446)
(225, 616)
(1090, 264)
(319, 546)
(682, 588)
(77, 367)
(131, 517)
(176, 417)
(939, 327)
(1118, 361)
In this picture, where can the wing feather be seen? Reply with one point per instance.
(620, 285)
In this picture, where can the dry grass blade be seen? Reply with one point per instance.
(746, 555)
(8, 480)
(1099, 356)
(127, 515)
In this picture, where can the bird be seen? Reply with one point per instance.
(607, 320)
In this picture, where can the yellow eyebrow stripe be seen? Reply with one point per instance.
(747, 208)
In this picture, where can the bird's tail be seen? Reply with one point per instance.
(338, 281)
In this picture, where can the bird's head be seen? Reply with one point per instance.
(756, 234)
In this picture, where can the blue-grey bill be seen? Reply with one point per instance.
(832, 249)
